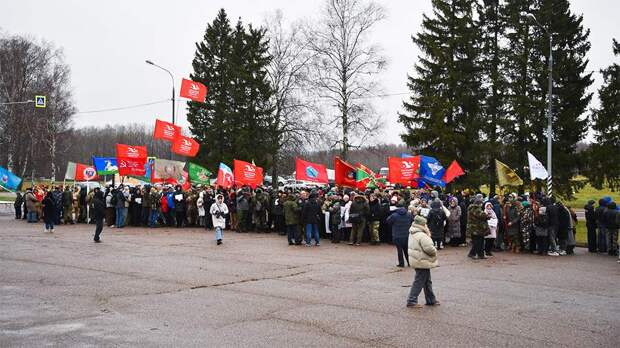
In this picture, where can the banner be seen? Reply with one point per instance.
(403, 171)
(8, 180)
(131, 160)
(506, 176)
(247, 174)
(345, 174)
(193, 90)
(105, 165)
(365, 177)
(537, 170)
(431, 171)
(185, 146)
(184, 181)
(225, 177)
(84, 172)
(131, 151)
(198, 174)
(453, 172)
(167, 171)
(70, 172)
(309, 171)
(166, 130)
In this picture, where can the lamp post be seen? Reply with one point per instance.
(172, 78)
(549, 103)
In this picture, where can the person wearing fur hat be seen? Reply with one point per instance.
(423, 257)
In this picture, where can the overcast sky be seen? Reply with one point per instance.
(106, 42)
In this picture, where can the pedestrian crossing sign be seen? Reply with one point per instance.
(39, 101)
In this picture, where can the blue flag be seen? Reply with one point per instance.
(431, 171)
(105, 165)
(9, 180)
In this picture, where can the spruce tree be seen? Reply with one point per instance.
(234, 121)
(443, 116)
(211, 122)
(493, 64)
(524, 99)
(528, 59)
(603, 166)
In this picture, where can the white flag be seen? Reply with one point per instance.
(537, 170)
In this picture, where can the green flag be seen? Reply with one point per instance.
(364, 177)
(198, 174)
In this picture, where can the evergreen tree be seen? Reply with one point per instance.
(492, 30)
(211, 122)
(528, 60)
(603, 165)
(234, 121)
(524, 98)
(443, 116)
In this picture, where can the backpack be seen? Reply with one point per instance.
(435, 222)
(114, 200)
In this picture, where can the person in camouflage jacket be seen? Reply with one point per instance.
(477, 227)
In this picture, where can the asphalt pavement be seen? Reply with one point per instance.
(167, 287)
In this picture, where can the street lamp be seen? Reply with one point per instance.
(549, 103)
(171, 77)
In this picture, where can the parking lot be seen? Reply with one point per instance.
(167, 287)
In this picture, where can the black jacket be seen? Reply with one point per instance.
(98, 208)
(590, 216)
(400, 220)
(310, 212)
(375, 210)
(611, 217)
(436, 219)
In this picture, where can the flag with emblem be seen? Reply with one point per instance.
(506, 176)
(344, 173)
(365, 178)
(8, 180)
(193, 90)
(431, 171)
(309, 171)
(199, 174)
(225, 177)
(84, 172)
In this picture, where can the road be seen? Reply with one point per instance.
(168, 287)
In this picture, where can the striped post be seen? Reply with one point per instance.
(549, 186)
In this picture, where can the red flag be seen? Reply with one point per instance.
(131, 160)
(247, 174)
(403, 170)
(344, 173)
(193, 90)
(309, 171)
(166, 130)
(453, 172)
(85, 172)
(130, 151)
(185, 146)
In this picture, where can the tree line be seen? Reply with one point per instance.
(478, 92)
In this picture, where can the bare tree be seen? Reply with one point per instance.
(288, 75)
(30, 135)
(344, 67)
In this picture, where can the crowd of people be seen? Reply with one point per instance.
(418, 222)
(526, 223)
